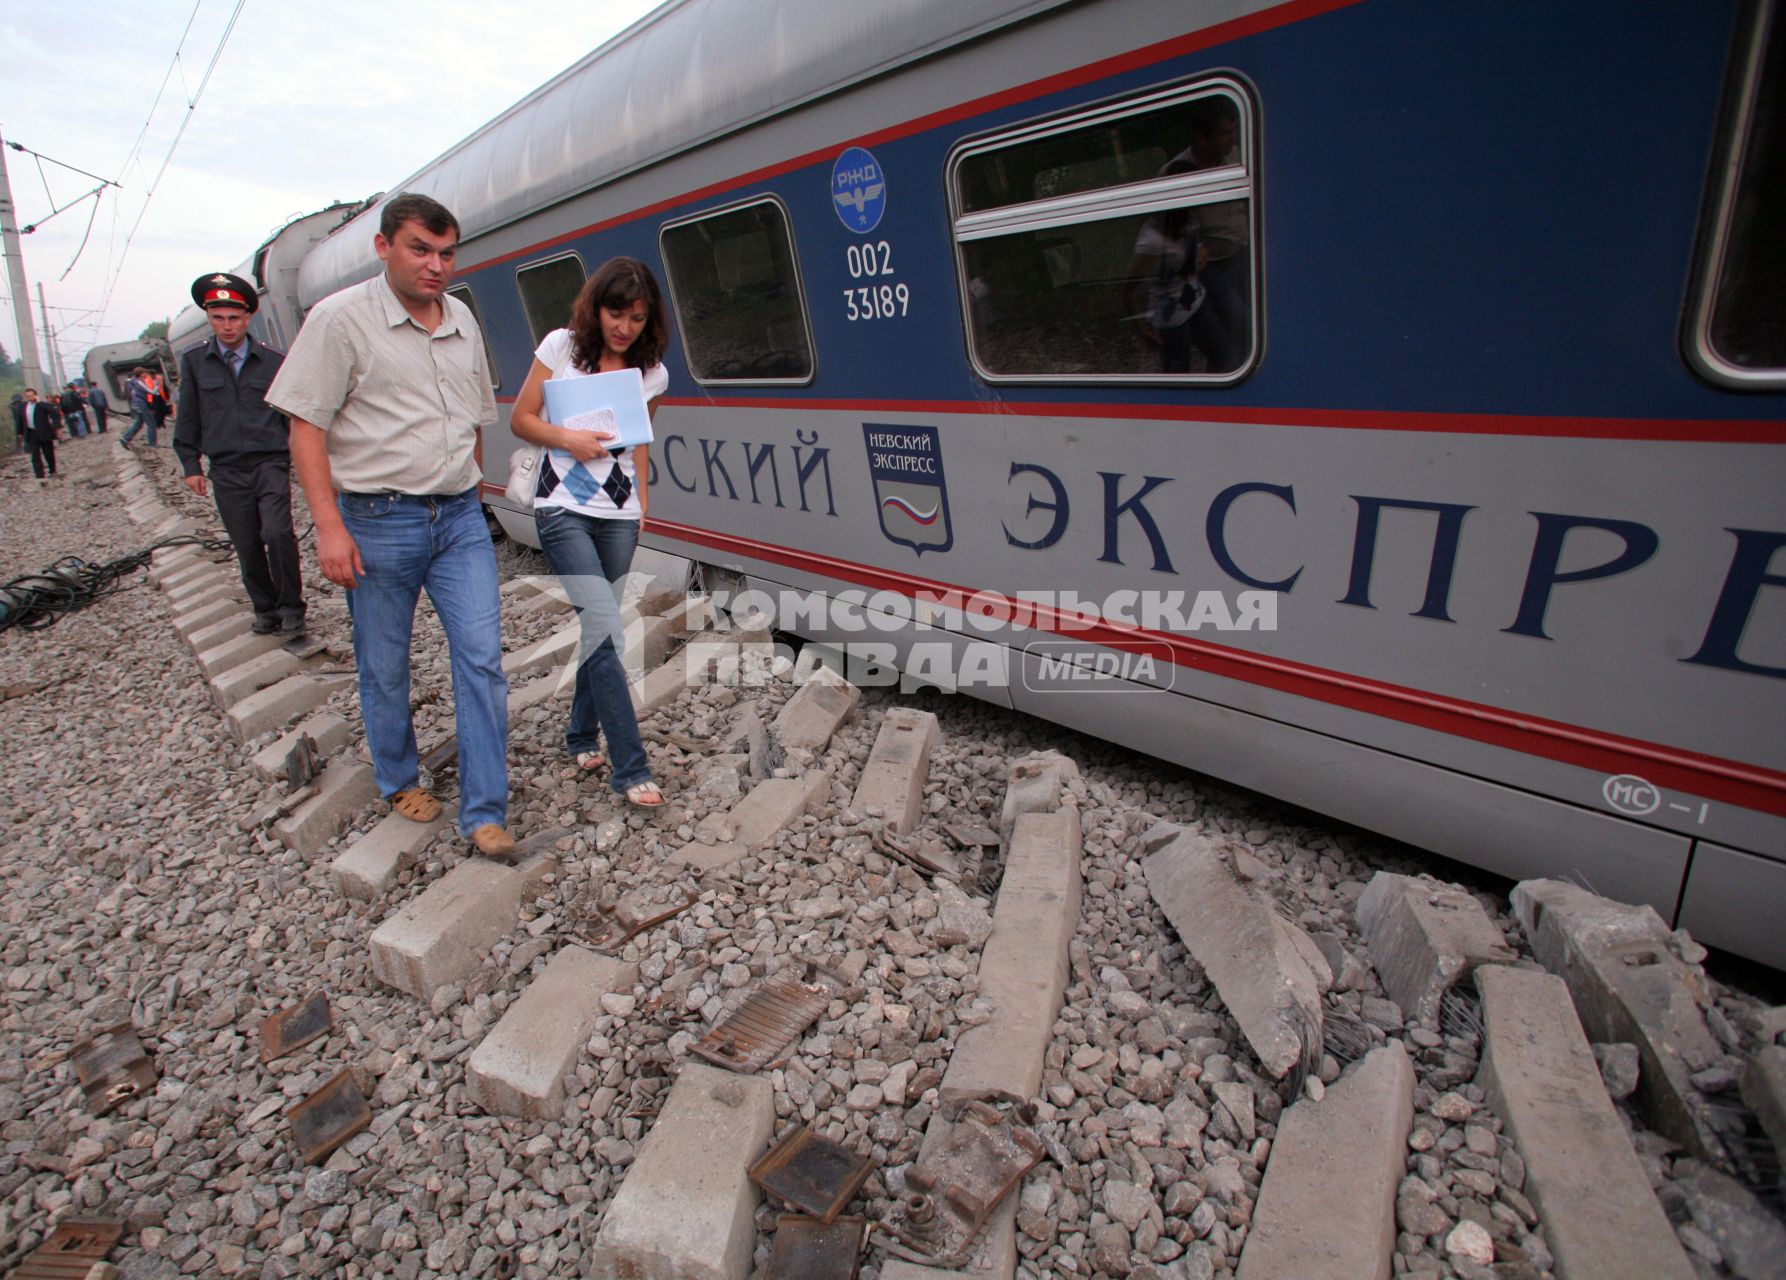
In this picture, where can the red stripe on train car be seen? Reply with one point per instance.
(1682, 430)
(1691, 430)
(1727, 781)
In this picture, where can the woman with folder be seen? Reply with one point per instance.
(591, 497)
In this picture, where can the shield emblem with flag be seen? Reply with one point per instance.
(910, 493)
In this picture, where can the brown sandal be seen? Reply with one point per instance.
(494, 843)
(416, 804)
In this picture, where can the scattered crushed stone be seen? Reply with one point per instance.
(135, 893)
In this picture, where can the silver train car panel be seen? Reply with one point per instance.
(1517, 552)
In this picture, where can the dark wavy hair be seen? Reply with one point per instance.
(617, 284)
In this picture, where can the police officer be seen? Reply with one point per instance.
(223, 414)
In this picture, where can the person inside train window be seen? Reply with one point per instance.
(591, 500)
(1169, 259)
(1192, 274)
(1222, 327)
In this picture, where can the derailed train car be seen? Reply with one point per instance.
(273, 270)
(1372, 403)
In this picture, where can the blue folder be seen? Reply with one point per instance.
(613, 402)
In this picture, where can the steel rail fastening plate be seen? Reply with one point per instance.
(951, 1192)
(812, 1174)
(302, 763)
(808, 1249)
(112, 1067)
(71, 1250)
(328, 1117)
(291, 1029)
(772, 1017)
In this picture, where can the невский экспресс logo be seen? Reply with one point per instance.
(909, 492)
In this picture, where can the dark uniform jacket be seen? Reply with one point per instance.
(224, 417)
(48, 420)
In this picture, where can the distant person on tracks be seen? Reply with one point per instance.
(142, 412)
(388, 390)
(591, 502)
(101, 404)
(41, 420)
(74, 411)
(159, 404)
(223, 416)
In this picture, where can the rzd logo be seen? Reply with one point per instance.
(1630, 794)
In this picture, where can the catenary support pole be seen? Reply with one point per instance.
(30, 367)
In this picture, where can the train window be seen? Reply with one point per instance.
(548, 289)
(1115, 244)
(735, 288)
(464, 294)
(1739, 326)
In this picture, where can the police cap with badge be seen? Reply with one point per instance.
(224, 290)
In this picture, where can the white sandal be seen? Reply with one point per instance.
(635, 795)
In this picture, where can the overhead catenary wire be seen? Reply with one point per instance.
(117, 267)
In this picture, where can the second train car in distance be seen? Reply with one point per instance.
(1376, 404)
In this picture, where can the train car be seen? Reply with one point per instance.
(273, 270)
(111, 364)
(1372, 403)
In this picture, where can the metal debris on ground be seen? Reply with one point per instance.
(441, 755)
(112, 1067)
(267, 817)
(302, 763)
(813, 1174)
(809, 1249)
(291, 1029)
(328, 1117)
(951, 1192)
(771, 1018)
(908, 852)
(608, 928)
(982, 844)
(73, 1248)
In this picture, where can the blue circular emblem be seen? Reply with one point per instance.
(858, 190)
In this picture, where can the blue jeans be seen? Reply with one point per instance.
(407, 543)
(144, 417)
(589, 555)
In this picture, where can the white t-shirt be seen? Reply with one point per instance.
(557, 354)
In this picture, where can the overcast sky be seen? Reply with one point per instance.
(310, 103)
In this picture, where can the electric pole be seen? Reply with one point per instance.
(50, 345)
(15, 278)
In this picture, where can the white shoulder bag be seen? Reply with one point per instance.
(524, 472)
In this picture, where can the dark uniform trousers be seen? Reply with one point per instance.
(254, 498)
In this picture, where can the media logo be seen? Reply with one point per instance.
(1066, 666)
(910, 493)
(858, 190)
